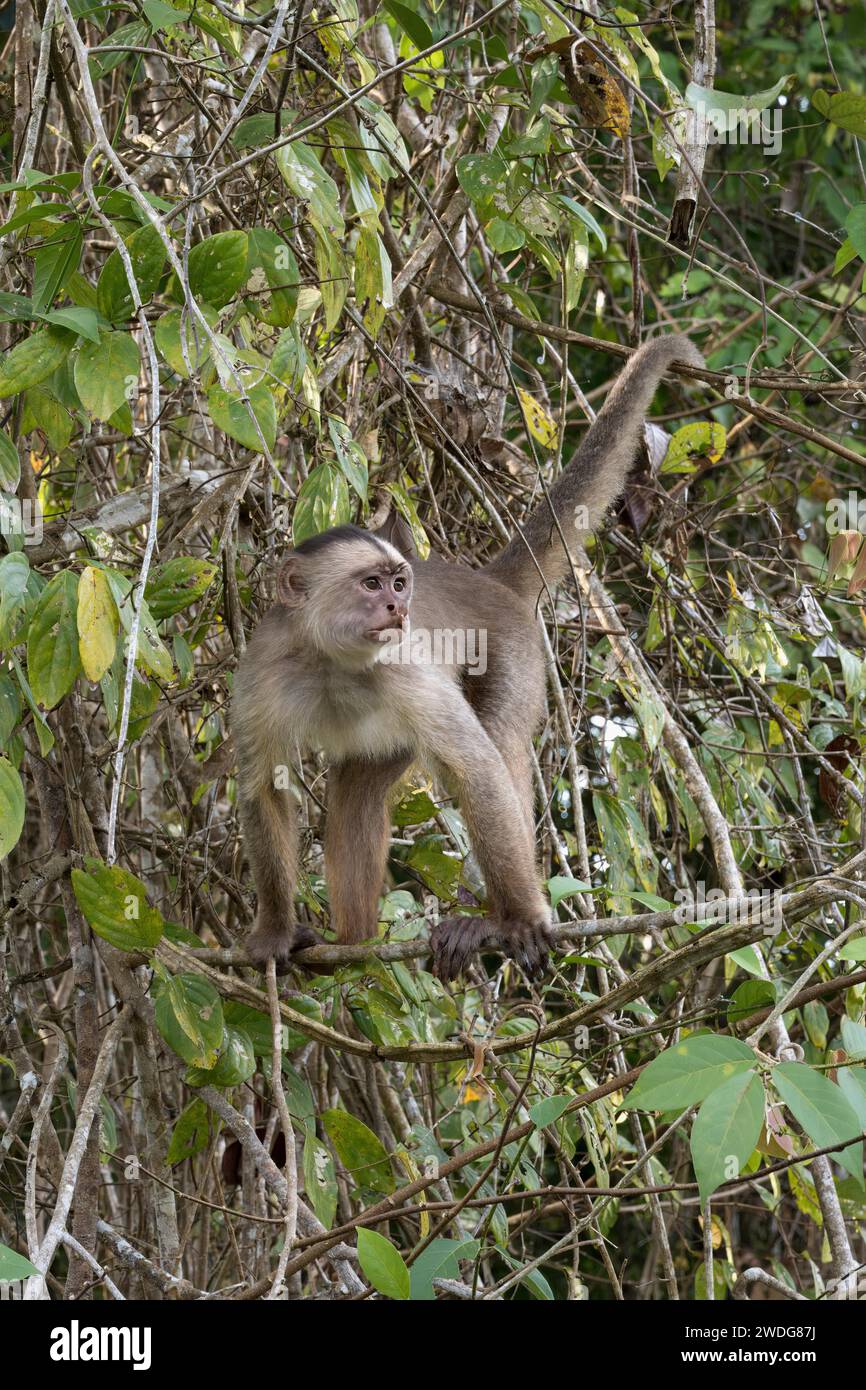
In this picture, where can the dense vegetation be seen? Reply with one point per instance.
(267, 268)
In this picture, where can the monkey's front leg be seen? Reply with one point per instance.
(270, 823)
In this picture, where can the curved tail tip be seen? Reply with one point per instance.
(672, 347)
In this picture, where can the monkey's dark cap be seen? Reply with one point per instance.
(338, 533)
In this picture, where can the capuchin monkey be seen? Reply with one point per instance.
(319, 675)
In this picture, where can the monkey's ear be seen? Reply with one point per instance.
(291, 586)
(398, 532)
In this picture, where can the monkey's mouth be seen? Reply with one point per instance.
(378, 634)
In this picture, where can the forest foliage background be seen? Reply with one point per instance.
(269, 268)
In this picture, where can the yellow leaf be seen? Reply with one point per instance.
(98, 624)
(540, 425)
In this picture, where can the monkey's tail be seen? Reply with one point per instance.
(596, 475)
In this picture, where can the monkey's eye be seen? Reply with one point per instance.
(372, 583)
(399, 585)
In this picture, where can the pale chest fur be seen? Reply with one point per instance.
(358, 714)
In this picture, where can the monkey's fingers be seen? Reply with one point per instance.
(527, 943)
(271, 942)
(454, 941)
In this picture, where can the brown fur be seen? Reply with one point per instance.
(313, 679)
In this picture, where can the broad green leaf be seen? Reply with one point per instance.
(854, 1039)
(53, 663)
(350, 456)
(561, 887)
(822, 1109)
(192, 1132)
(98, 624)
(360, 1150)
(687, 1073)
(546, 1112)
(273, 278)
(106, 373)
(235, 1064)
(323, 501)
(177, 584)
(189, 1016)
(115, 904)
(303, 173)
(10, 707)
(231, 414)
(320, 1179)
(726, 1130)
(706, 439)
(411, 23)
(10, 463)
(748, 998)
(167, 338)
(383, 1264)
(218, 267)
(147, 256)
(333, 276)
(480, 175)
(15, 1267)
(54, 263)
(35, 359)
(845, 109)
(50, 416)
(11, 807)
(503, 236)
(374, 293)
(441, 1260)
(855, 949)
(152, 651)
(852, 1084)
(724, 110)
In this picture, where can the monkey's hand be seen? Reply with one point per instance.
(456, 939)
(278, 942)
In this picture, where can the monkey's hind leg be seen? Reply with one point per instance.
(356, 841)
(271, 836)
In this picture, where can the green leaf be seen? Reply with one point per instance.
(687, 1073)
(845, 109)
(360, 1150)
(14, 1267)
(106, 373)
(34, 359)
(302, 171)
(177, 584)
(333, 276)
(854, 1040)
(383, 1264)
(561, 887)
(503, 236)
(191, 1133)
(374, 293)
(163, 16)
(98, 624)
(53, 662)
(54, 263)
(724, 109)
(77, 319)
(707, 439)
(272, 278)
(231, 414)
(323, 501)
(167, 338)
(350, 456)
(411, 23)
(320, 1179)
(10, 464)
(218, 267)
(823, 1111)
(547, 1111)
(151, 650)
(855, 949)
(115, 904)
(18, 594)
(147, 255)
(235, 1064)
(748, 998)
(189, 1016)
(11, 807)
(480, 175)
(441, 1260)
(726, 1130)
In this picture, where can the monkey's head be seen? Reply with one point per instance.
(350, 592)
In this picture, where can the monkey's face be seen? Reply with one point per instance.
(352, 597)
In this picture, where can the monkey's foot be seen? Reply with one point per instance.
(456, 939)
(281, 944)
